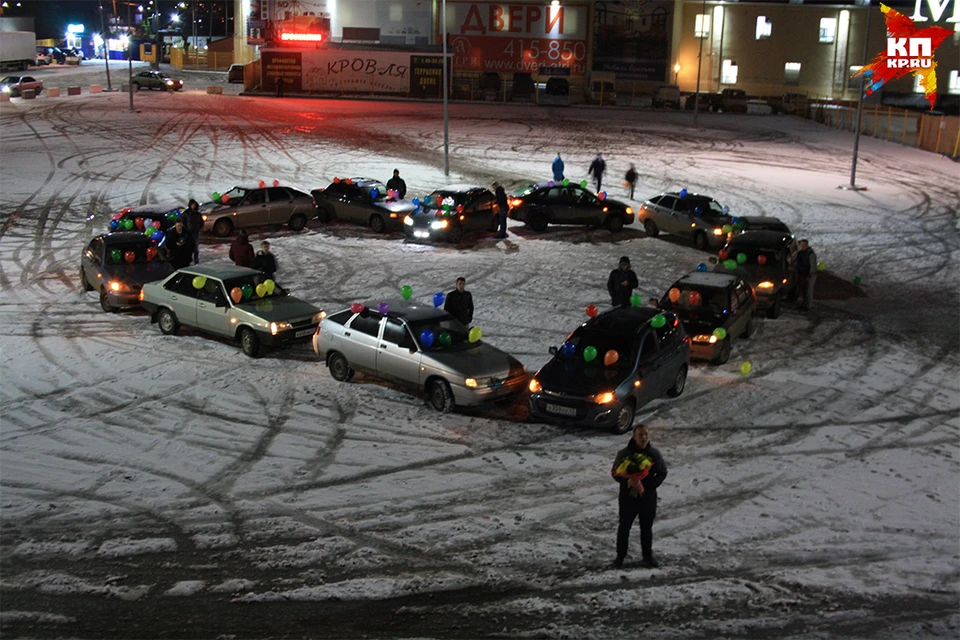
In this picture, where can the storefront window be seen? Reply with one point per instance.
(953, 84)
(728, 74)
(828, 30)
(853, 80)
(764, 27)
(701, 28)
(791, 73)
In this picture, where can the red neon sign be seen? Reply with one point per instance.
(301, 37)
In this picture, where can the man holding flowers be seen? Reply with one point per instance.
(640, 469)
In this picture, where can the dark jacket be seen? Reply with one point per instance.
(656, 476)
(620, 294)
(806, 263)
(631, 176)
(265, 262)
(178, 248)
(502, 200)
(193, 221)
(597, 167)
(460, 306)
(398, 185)
(241, 252)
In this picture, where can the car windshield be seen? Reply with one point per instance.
(699, 299)
(250, 290)
(9, 80)
(440, 198)
(236, 194)
(771, 257)
(603, 341)
(131, 253)
(448, 334)
(528, 190)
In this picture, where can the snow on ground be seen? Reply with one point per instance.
(156, 485)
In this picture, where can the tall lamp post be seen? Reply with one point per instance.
(446, 115)
(696, 98)
(106, 49)
(856, 137)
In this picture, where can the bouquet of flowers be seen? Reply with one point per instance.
(634, 468)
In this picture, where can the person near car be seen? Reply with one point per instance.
(806, 274)
(241, 251)
(178, 245)
(265, 260)
(397, 184)
(597, 167)
(558, 168)
(639, 469)
(502, 207)
(193, 221)
(459, 303)
(621, 283)
(631, 179)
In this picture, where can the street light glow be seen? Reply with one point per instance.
(175, 17)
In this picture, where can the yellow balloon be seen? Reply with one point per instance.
(270, 285)
(475, 334)
(261, 290)
(746, 368)
(199, 282)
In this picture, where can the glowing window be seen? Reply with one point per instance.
(854, 81)
(701, 28)
(828, 30)
(728, 73)
(396, 13)
(764, 27)
(953, 84)
(791, 73)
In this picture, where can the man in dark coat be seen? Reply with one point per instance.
(193, 221)
(557, 167)
(459, 303)
(178, 245)
(806, 274)
(621, 283)
(241, 251)
(597, 167)
(640, 469)
(504, 207)
(631, 179)
(265, 260)
(397, 184)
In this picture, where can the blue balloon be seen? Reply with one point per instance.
(702, 267)
(374, 193)
(427, 201)
(416, 202)
(438, 299)
(114, 225)
(725, 209)
(698, 211)
(568, 349)
(426, 337)
(683, 193)
(157, 236)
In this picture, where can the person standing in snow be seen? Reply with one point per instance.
(397, 184)
(557, 168)
(597, 167)
(241, 251)
(265, 261)
(806, 274)
(631, 179)
(459, 303)
(621, 283)
(178, 245)
(193, 221)
(639, 469)
(503, 207)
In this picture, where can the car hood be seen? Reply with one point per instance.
(480, 361)
(580, 378)
(138, 273)
(423, 220)
(396, 206)
(754, 273)
(279, 309)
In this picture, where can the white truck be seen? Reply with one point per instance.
(18, 50)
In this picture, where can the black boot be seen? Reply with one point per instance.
(650, 561)
(618, 562)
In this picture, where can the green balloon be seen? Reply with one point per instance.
(857, 280)
(128, 224)
(583, 184)
(658, 321)
(730, 264)
(247, 291)
(738, 225)
(720, 332)
(406, 291)
(171, 216)
(216, 195)
(116, 255)
(741, 258)
(445, 339)
(636, 300)
(566, 182)
(149, 231)
(589, 354)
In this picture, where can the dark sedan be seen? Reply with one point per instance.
(117, 265)
(768, 261)
(541, 204)
(362, 201)
(453, 212)
(611, 366)
(760, 223)
(157, 216)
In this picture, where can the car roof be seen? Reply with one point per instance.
(769, 221)
(459, 188)
(689, 196)
(154, 208)
(623, 319)
(761, 239)
(218, 271)
(124, 237)
(408, 309)
(708, 280)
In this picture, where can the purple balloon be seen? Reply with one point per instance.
(383, 308)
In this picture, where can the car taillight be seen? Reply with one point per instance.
(141, 295)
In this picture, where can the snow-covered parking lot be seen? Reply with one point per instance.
(160, 486)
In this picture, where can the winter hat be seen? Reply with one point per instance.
(624, 260)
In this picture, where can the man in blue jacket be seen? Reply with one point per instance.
(557, 169)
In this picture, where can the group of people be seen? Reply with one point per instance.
(596, 169)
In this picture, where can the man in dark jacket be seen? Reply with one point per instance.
(597, 167)
(265, 261)
(640, 469)
(503, 206)
(193, 221)
(621, 283)
(178, 245)
(241, 251)
(459, 303)
(397, 184)
(806, 274)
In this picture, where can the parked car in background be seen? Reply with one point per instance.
(117, 265)
(707, 303)
(235, 73)
(694, 216)
(156, 80)
(733, 101)
(541, 204)
(706, 101)
(247, 206)
(421, 347)
(611, 366)
(453, 212)
(768, 261)
(667, 97)
(230, 302)
(361, 201)
(44, 57)
(148, 214)
(16, 85)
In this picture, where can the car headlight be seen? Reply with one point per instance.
(602, 398)
(629, 211)
(204, 217)
(705, 338)
(439, 224)
(116, 286)
(169, 82)
(516, 202)
(534, 386)
(765, 285)
(277, 327)
(407, 220)
(474, 383)
(718, 231)
(6, 89)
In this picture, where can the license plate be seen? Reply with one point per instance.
(563, 411)
(303, 333)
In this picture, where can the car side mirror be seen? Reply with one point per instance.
(552, 351)
(712, 260)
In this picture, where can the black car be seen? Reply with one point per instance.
(760, 223)
(611, 366)
(541, 204)
(714, 308)
(453, 212)
(694, 216)
(768, 261)
(158, 216)
(117, 265)
(361, 201)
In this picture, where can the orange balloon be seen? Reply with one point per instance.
(224, 198)
(261, 184)
(673, 294)
(761, 259)
(610, 358)
(236, 294)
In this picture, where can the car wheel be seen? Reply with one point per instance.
(700, 241)
(650, 228)
(83, 281)
(615, 223)
(624, 418)
(377, 225)
(222, 228)
(105, 303)
(249, 342)
(339, 367)
(324, 214)
(774, 311)
(168, 322)
(724, 354)
(456, 234)
(297, 222)
(538, 222)
(678, 383)
(440, 396)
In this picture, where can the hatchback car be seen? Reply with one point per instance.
(708, 302)
(760, 223)
(361, 201)
(611, 366)
(16, 85)
(252, 206)
(231, 302)
(117, 265)
(421, 347)
(235, 73)
(164, 215)
(44, 57)
(768, 261)
(453, 212)
(541, 204)
(697, 217)
(156, 80)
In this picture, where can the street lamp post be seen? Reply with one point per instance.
(856, 137)
(106, 49)
(446, 115)
(696, 98)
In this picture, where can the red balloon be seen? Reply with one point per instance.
(694, 298)
(592, 310)
(356, 307)
(459, 208)
(139, 223)
(336, 180)
(348, 181)
(151, 253)
(602, 196)
(224, 198)
(156, 224)
(129, 256)
(276, 183)
(262, 184)
(761, 259)
(722, 254)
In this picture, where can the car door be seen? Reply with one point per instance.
(670, 356)
(587, 209)
(91, 261)
(361, 341)
(395, 360)
(213, 312)
(647, 372)
(682, 216)
(664, 214)
(253, 210)
(560, 202)
(740, 307)
(182, 299)
(352, 206)
(479, 213)
(279, 205)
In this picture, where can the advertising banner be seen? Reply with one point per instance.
(282, 64)
(426, 76)
(512, 38)
(356, 71)
(632, 40)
